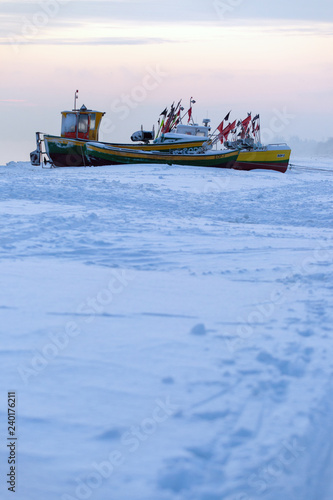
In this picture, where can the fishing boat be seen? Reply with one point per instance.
(245, 136)
(105, 154)
(270, 157)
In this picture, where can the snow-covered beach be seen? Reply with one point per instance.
(168, 332)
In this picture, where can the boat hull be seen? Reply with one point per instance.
(64, 152)
(102, 155)
(275, 157)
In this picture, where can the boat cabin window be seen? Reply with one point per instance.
(92, 121)
(68, 123)
(83, 124)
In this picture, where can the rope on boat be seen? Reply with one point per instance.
(310, 169)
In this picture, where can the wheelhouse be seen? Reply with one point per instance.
(82, 123)
(194, 129)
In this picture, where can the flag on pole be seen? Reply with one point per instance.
(246, 122)
(192, 101)
(227, 116)
(225, 119)
(189, 114)
(161, 121)
(220, 127)
(232, 126)
(226, 131)
(176, 119)
(166, 127)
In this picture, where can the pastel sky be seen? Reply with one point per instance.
(131, 58)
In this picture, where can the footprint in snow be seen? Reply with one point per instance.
(198, 329)
(292, 368)
(168, 380)
(305, 333)
(111, 434)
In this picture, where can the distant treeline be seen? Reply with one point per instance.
(308, 146)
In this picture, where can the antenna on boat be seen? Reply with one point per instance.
(76, 96)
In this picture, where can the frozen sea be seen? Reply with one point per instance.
(168, 332)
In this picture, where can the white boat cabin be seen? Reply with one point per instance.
(191, 132)
(193, 129)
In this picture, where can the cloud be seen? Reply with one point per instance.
(149, 22)
(91, 41)
(178, 12)
(76, 33)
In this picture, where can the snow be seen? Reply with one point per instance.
(168, 332)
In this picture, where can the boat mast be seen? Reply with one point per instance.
(76, 96)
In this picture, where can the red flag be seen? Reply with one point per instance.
(220, 127)
(233, 125)
(225, 132)
(246, 122)
(189, 114)
(166, 127)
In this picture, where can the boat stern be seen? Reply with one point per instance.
(270, 157)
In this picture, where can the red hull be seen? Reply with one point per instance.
(244, 165)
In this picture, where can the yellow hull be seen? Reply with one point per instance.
(275, 157)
